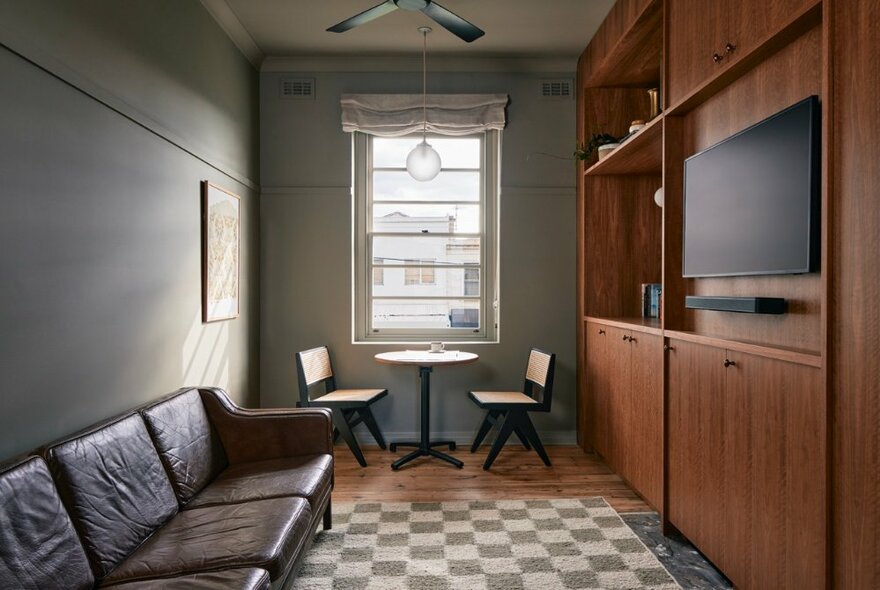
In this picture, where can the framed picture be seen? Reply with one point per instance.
(221, 253)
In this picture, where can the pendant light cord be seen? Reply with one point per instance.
(424, 86)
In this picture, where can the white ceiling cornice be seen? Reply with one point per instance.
(228, 21)
(561, 65)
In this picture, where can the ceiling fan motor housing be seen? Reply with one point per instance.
(412, 4)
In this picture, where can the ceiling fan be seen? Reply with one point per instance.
(445, 18)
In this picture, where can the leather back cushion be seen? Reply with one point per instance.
(114, 487)
(187, 442)
(39, 549)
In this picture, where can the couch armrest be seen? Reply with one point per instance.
(258, 435)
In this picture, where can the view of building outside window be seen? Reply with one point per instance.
(425, 237)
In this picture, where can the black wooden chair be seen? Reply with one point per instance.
(509, 410)
(350, 407)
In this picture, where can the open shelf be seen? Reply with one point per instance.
(799, 23)
(646, 325)
(635, 59)
(641, 153)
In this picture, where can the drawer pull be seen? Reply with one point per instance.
(668, 348)
(602, 332)
(729, 363)
(625, 338)
(730, 48)
(631, 339)
(716, 57)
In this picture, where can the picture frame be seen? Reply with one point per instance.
(221, 253)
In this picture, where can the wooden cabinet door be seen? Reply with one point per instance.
(695, 31)
(776, 485)
(645, 434)
(695, 394)
(597, 391)
(620, 409)
(754, 20)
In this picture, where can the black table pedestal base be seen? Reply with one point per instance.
(424, 447)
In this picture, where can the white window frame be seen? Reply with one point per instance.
(362, 256)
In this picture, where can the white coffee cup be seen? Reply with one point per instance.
(437, 347)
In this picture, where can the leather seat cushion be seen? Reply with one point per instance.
(266, 534)
(114, 488)
(502, 397)
(237, 579)
(308, 477)
(39, 549)
(189, 447)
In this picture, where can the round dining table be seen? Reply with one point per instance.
(426, 360)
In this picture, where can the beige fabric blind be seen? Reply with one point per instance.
(393, 115)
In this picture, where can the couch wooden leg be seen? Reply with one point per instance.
(328, 517)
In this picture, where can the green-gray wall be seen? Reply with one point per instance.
(111, 113)
(306, 249)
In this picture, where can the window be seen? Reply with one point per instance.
(430, 247)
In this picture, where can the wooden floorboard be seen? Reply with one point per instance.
(516, 474)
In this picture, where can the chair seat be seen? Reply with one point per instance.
(363, 396)
(501, 397)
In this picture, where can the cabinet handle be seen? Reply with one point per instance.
(730, 47)
(666, 347)
(602, 332)
(716, 57)
(625, 338)
(729, 363)
(631, 339)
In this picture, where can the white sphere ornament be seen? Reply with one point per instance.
(423, 162)
(659, 196)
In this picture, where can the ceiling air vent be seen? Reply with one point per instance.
(556, 88)
(300, 88)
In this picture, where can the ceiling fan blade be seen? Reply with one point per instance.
(364, 17)
(453, 23)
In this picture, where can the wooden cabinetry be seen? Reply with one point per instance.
(625, 408)
(706, 36)
(743, 448)
(746, 464)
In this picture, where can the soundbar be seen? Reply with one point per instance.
(770, 305)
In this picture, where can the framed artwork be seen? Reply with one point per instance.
(221, 253)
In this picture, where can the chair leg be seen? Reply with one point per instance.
(504, 433)
(345, 431)
(370, 422)
(483, 430)
(523, 438)
(532, 434)
(328, 515)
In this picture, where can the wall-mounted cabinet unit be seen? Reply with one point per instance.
(743, 466)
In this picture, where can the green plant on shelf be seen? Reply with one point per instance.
(585, 149)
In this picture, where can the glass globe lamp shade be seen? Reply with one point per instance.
(423, 162)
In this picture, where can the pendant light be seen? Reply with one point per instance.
(423, 162)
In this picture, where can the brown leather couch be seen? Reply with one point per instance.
(189, 492)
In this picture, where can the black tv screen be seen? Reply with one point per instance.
(751, 202)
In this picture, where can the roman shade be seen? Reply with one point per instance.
(393, 115)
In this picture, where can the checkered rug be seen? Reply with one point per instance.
(504, 545)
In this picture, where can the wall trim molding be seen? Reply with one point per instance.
(538, 191)
(28, 50)
(439, 64)
(308, 191)
(345, 191)
(462, 438)
(231, 25)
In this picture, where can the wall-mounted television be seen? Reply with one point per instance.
(751, 201)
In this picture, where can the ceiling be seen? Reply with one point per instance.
(514, 28)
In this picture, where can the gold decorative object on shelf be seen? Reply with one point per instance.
(654, 95)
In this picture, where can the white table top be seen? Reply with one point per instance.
(426, 358)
